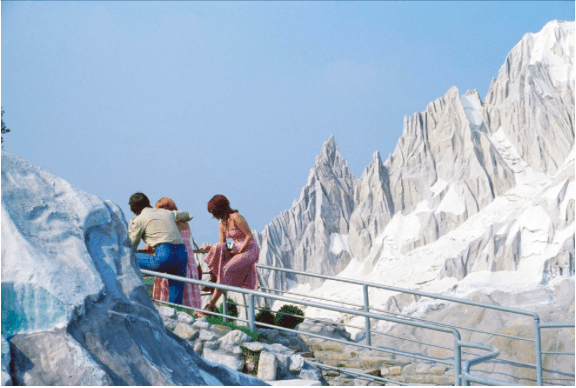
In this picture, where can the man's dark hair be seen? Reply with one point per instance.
(137, 202)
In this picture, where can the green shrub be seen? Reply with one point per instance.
(289, 321)
(265, 316)
(232, 308)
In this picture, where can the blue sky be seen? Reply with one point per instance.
(191, 99)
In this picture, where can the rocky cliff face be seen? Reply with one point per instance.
(531, 103)
(303, 238)
(74, 308)
(473, 187)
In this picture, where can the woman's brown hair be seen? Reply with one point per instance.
(165, 203)
(168, 204)
(219, 207)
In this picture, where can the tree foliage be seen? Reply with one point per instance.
(5, 129)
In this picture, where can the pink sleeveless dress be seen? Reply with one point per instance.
(234, 270)
(191, 297)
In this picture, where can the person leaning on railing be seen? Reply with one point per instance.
(238, 266)
(157, 227)
(160, 291)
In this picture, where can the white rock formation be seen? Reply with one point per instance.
(477, 202)
(531, 103)
(472, 188)
(374, 208)
(74, 308)
(311, 235)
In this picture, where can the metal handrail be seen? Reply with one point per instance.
(552, 325)
(252, 323)
(467, 377)
(401, 290)
(355, 373)
(537, 325)
(401, 315)
(365, 285)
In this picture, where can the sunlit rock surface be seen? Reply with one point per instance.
(307, 230)
(476, 202)
(483, 188)
(74, 308)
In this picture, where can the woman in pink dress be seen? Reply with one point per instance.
(236, 267)
(192, 297)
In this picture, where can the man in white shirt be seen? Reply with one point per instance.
(157, 227)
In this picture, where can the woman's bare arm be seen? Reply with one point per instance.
(222, 231)
(242, 224)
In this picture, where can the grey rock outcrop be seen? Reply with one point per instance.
(374, 208)
(304, 231)
(533, 229)
(451, 164)
(477, 200)
(552, 303)
(325, 329)
(74, 308)
(532, 99)
(270, 361)
(6, 359)
(443, 154)
(446, 144)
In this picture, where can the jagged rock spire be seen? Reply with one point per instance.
(373, 208)
(302, 232)
(532, 101)
(451, 162)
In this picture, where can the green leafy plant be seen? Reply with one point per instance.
(5, 129)
(289, 316)
(216, 320)
(232, 308)
(265, 316)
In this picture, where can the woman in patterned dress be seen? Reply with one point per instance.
(192, 297)
(236, 267)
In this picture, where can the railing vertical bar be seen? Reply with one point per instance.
(457, 359)
(225, 306)
(465, 369)
(251, 318)
(538, 350)
(461, 377)
(246, 311)
(367, 319)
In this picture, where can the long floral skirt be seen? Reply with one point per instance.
(234, 270)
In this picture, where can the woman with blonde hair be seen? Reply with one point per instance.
(191, 297)
(238, 266)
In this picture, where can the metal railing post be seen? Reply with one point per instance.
(251, 319)
(457, 359)
(246, 313)
(465, 368)
(538, 349)
(366, 319)
(225, 306)
(461, 376)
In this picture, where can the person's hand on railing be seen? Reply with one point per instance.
(148, 249)
(205, 249)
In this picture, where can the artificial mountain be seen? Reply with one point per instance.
(477, 192)
(75, 310)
